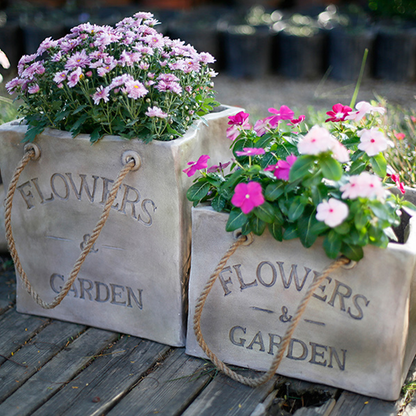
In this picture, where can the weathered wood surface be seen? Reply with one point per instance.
(48, 367)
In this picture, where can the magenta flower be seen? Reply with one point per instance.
(339, 113)
(247, 196)
(284, 113)
(217, 168)
(262, 126)
(282, 167)
(201, 163)
(298, 120)
(332, 212)
(239, 119)
(400, 185)
(250, 151)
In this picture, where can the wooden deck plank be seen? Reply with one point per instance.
(7, 291)
(227, 397)
(168, 390)
(109, 377)
(16, 329)
(323, 410)
(33, 355)
(351, 404)
(56, 373)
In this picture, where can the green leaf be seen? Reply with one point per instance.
(379, 165)
(236, 220)
(352, 252)
(276, 230)
(291, 232)
(343, 228)
(301, 167)
(332, 244)
(274, 190)
(218, 203)
(257, 225)
(296, 209)
(264, 140)
(198, 191)
(32, 132)
(360, 219)
(79, 109)
(96, 135)
(331, 168)
(267, 159)
(409, 208)
(357, 167)
(265, 212)
(306, 235)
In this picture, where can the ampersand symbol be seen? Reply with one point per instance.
(285, 317)
(86, 238)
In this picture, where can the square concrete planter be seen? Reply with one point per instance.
(358, 331)
(134, 279)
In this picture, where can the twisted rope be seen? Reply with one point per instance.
(254, 382)
(30, 154)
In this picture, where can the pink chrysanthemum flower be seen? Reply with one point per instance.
(102, 93)
(155, 112)
(135, 89)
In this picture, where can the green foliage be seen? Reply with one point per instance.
(292, 199)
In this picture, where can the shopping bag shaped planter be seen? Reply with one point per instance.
(358, 331)
(134, 279)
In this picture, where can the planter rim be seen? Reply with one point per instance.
(66, 135)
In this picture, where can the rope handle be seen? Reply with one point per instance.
(254, 382)
(131, 162)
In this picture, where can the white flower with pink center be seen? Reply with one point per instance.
(364, 108)
(316, 141)
(373, 141)
(340, 152)
(332, 212)
(364, 185)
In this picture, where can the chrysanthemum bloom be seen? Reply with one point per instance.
(282, 167)
(364, 185)
(250, 151)
(135, 89)
(102, 93)
(247, 196)
(155, 112)
(364, 108)
(339, 113)
(33, 89)
(373, 141)
(332, 212)
(316, 141)
(201, 163)
(74, 77)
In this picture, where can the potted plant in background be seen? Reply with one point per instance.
(94, 100)
(295, 197)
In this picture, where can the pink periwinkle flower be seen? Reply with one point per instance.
(282, 167)
(239, 119)
(332, 212)
(340, 152)
(283, 113)
(217, 168)
(155, 112)
(339, 113)
(201, 163)
(298, 120)
(399, 184)
(364, 185)
(247, 196)
(364, 108)
(316, 141)
(250, 151)
(373, 141)
(261, 126)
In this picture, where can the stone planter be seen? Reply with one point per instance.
(134, 279)
(358, 331)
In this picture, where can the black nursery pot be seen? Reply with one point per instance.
(395, 54)
(247, 51)
(346, 51)
(300, 56)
